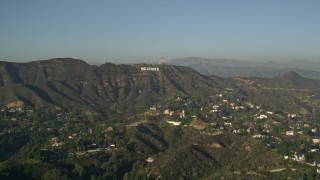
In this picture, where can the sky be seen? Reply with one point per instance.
(127, 31)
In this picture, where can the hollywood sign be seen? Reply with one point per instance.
(149, 69)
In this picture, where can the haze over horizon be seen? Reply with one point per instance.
(139, 31)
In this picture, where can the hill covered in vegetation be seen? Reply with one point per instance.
(65, 119)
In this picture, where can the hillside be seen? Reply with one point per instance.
(67, 119)
(73, 83)
(289, 80)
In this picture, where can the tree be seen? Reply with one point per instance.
(55, 174)
(78, 168)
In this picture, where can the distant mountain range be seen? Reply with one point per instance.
(233, 68)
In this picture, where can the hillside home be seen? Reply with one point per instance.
(228, 124)
(289, 133)
(168, 112)
(153, 108)
(258, 136)
(262, 116)
(299, 158)
(292, 115)
(314, 150)
(174, 123)
(182, 114)
(316, 141)
(150, 160)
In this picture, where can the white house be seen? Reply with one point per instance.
(168, 112)
(258, 136)
(228, 123)
(174, 123)
(289, 133)
(299, 158)
(150, 160)
(316, 141)
(262, 116)
(292, 115)
(314, 150)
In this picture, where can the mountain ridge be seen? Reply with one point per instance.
(233, 68)
(74, 83)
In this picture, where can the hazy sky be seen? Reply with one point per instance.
(140, 30)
